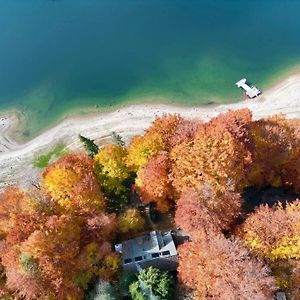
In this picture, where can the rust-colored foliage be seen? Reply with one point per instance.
(72, 184)
(60, 257)
(99, 228)
(153, 184)
(273, 232)
(13, 201)
(217, 268)
(52, 256)
(206, 210)
(220, 153)
(173, 129)
(184, 132)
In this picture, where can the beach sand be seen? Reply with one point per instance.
(16, 158)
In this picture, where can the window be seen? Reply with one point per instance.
(164, 253)
(154, 255)
(127, 261)
(138, 258)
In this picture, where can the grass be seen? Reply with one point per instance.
(43, 160)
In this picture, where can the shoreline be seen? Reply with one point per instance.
(16, 158)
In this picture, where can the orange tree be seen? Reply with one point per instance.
(47, 254)
(219, 268)
(153, 184)
(220, 154)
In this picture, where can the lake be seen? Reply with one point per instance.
(65, 56)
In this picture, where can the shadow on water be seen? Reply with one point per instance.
(254, 196)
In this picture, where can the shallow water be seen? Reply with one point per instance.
(64, 55)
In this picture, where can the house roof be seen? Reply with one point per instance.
(150, 246)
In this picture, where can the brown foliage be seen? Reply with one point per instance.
(217, 268)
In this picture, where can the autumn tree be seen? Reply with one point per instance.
(113, 175)
(46, 254)
(131, 220)
(219, 154)
(153, 184)
(273, 232)
(215, 268)
(60, 256)
(275, 143)
(204, 210)
(290, 171)
(142, 148)
(13, 202)
(295, 283)
(72, 184)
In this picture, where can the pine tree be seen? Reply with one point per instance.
(117, 139)
(90, 147)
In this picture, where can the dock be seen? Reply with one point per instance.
(250, 90)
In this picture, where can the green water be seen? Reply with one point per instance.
(57, 57)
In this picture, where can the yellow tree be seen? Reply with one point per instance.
(72, 184)
(142, 148)
(131, 220)
(112, 162)
(112, 172)
(274, 232)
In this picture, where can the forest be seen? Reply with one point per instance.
(57, 238)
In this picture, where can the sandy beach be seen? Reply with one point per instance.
(16, 159)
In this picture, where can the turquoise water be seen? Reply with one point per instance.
(65, 55)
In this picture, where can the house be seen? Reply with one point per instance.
(280, 296)
(154, 249)
(250, 90)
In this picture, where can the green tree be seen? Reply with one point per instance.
(90, 147)
(117, 139)
(152, 284)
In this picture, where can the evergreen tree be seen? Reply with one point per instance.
(152, 284)
(117, 139)
(90, 147)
